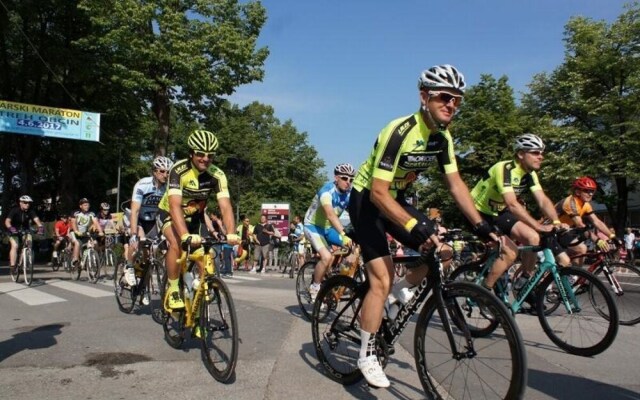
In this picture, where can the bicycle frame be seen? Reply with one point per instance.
(432, 281)
(547, 266)
(602, 260)
(205, 258)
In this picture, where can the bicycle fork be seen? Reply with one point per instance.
(566, 292)
(613, 281)
(454, 311)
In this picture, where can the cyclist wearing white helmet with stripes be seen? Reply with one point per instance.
(498, 198)
(322, 226)
(146, 196)
(20, 218)
(406, 147)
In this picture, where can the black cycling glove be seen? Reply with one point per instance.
(483, 230)
(422, 231)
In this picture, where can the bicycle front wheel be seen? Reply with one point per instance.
(93, 266)
(303, 281)
(335, 326)
(494, 365)
(293, 264)
(125, 296)
(27, 263)
(478, 319)
(628, 297)
(154, 290)
(109, 264)
(591, 325)
(219, 326)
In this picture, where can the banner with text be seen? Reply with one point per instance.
(50, 122)
(278, 216)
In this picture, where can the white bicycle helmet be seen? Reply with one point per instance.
(26, 199)
(344, 169)
(105, 206)
(528, 142)
(163, 163)
(442, 77)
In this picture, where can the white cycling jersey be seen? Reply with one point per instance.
(146, 193)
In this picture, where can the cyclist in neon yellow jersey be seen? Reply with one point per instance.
(404, 148)
(191, 182)
(497, 197)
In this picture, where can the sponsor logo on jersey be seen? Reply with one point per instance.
(181, 168)
(386, 163)
(416, 161)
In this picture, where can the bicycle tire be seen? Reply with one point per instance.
(173, 324)
(336, 330)
(483, 322)
(27, 263)
(65, 261)
(627, 302)
(124, 293)
(155, 293)
(596, 318)
(303, 280)
(498, 369)
(55, 265)
(108, 266)
(219, 325)
(93, 266)
(293, 265)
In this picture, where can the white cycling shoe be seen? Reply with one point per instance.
(372, 371)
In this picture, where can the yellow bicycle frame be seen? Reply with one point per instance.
(200, 257)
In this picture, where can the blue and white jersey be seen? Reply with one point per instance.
(328, 194)
(146, 193)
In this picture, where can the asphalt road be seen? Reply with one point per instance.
(67, 340)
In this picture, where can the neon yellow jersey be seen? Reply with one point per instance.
(194, 186)
(404, 148)
(503, 177)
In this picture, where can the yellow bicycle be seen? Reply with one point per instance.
(209, 311)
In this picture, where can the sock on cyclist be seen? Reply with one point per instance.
(173, 284)
(368, 346)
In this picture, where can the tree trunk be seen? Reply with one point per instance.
(162, 110)
(620, 220)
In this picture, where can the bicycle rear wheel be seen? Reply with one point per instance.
(628, 300)
(494, 368)
(591, 325)
(124, 293)
(27, 263)
(303, 281)
(335, 326)
(219, 326)
(172, 323)
(154, 290)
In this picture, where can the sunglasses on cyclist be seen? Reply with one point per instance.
(588, 191)
(446, 97)
(536, 152)
(346, 178)
(202, 154)
(162, 171)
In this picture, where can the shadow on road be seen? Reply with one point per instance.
(294, 310)
(361, 389)
(37, 338)
(561, 386)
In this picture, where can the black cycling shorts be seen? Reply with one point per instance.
(504, 221)
(371, 226)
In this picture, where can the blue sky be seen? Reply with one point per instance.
(341, 70)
